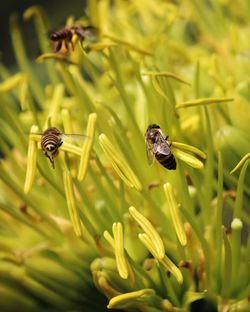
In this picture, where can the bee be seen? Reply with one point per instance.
(65, 36)
(157, 147)
(51, 140)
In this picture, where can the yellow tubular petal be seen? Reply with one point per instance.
(204, 101)
(55, 56)
(119, 163)
(55, 103)
(150, 231)
(172, 268)
(87, 146)
(31, 161)
(189, 148)
(104, 285)
(109, 239)
(144, 238)
(99, 46)
(73, 211)
(10, 83)
(23, 93)
(93, 12)
(127, 44)
(190, 123)
(119, 251)
(165, 261)
(67, 124)
(67, 121)
(240, 163)
(34, 136)
(187, 158)
(34, 11)
(166, 74)
(67, 147)
(158, 88)
(175, 214)
(120, 300)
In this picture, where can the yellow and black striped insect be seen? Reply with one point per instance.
(157, 147)
(51, 140)
(64, 36)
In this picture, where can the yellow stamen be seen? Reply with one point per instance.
(175, 213)
(187, 158)
(31, 161)
(86, 148)
(73, 211)
(119, 163)
(165, 261)
(120, 300)
(121, 262)
(240, 163)
(204, 101)
(109, 239)
(10, 83)
(189, 148)
(150, 231)
(167, 75)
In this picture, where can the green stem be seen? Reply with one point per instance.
(23, 61)
(227, 267)
(219, 223)
(240, 189)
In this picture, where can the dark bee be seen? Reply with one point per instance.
(65, 36)
(51, 140)
(157, 147)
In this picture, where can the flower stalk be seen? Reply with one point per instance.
(73, 211)
(87, 145)
(31, 161)
(175, 214)
(119, 163)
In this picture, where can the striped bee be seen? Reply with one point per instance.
(65, 36)
(157, 147)
(51, 140)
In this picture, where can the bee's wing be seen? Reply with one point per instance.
(150, 155)
(89, 32)
(160, 147)
(74, 137)
(163, 148)
(151, 149)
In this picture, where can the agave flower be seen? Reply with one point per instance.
(104, 229)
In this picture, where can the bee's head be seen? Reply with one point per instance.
(153, 126)
(152, 133)
(53, 36)
(50, 147)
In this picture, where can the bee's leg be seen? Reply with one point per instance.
(81, 42)
(72, 45)
(54, 154)
(50, 159)
(52, 163)
(170, 142)
(66, 46)
(58, 46)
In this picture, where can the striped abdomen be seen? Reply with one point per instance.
(51, 140)
(167, 161)
(63, 34)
